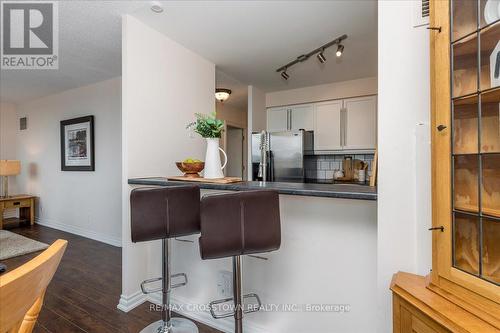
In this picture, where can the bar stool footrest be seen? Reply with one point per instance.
(144, 284)
(180, 284)
(254, 308)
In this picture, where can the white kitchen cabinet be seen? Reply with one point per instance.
(290, 118)
(338, 125)
(277, 119)
(360, 123)
(327, 125)
(301, 117)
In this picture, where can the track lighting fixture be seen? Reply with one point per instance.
(321, 57)
(340, 49)
(320, 54)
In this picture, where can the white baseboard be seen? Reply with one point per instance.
(225, 325)
(127, 303)
(79, 231)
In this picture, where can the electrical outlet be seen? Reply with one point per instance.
(225, 284)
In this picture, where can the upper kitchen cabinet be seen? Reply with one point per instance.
(327, 128)
(338, 125)
(302, 117)
(360, 123)
(277, 119)
(290, 118)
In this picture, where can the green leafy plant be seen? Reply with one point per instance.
(207, 125)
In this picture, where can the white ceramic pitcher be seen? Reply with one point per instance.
(213, 168)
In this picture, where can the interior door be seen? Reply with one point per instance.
(277, 119)
(302, 117)
(327, 126)
(360, 123)
(234, 149)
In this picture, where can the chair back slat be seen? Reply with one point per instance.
(23, 289)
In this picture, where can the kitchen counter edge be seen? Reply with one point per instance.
(341, 191)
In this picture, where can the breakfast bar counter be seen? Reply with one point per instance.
(342, 191)
(328, 247)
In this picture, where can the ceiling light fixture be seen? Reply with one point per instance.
(156, 7)
(320, 54)
(340, 50)
(321, 57)
(285, 75)
(222, 94)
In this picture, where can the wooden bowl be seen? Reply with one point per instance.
(191, 169)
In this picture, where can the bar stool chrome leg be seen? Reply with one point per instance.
(167, 324)
(238, 302)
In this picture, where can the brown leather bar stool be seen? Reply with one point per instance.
(236, 224)
(164, 213)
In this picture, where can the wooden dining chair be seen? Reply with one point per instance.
(23, 289)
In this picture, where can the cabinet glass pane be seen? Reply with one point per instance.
(490, 57)
(466, 188)
(466, 244)
(490, 122)
(491, 250)
(465, 126)
(490, 189)
(465, 74)
(488, 12)
(464, 17)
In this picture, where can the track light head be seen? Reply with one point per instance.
(285, 75)
(340, 50)
(321, 57)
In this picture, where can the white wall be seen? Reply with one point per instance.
(404, 154)
(164, 84)
(323, 92)
(8, 129)
(256, 119)
(84, 203)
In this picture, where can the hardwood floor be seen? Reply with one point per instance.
(86, 288)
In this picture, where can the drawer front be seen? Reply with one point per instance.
(17, 203)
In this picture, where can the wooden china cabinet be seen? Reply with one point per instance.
(462, 293)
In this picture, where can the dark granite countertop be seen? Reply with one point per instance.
(345, 191)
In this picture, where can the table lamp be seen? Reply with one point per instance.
(8, 168)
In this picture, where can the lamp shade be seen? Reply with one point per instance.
(10, 167)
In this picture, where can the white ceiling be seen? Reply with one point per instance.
(89, 51)
(247, 40)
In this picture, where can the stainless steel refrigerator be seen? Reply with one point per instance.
(286, 153)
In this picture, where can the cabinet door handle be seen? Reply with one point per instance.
(344, 125)
(17, 203)
(440, 128)
(287, 119)
(290, 120)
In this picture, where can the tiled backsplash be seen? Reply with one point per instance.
(322, 166)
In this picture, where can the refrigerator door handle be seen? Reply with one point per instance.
(271, 166)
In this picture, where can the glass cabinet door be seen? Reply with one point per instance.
(475, 85)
